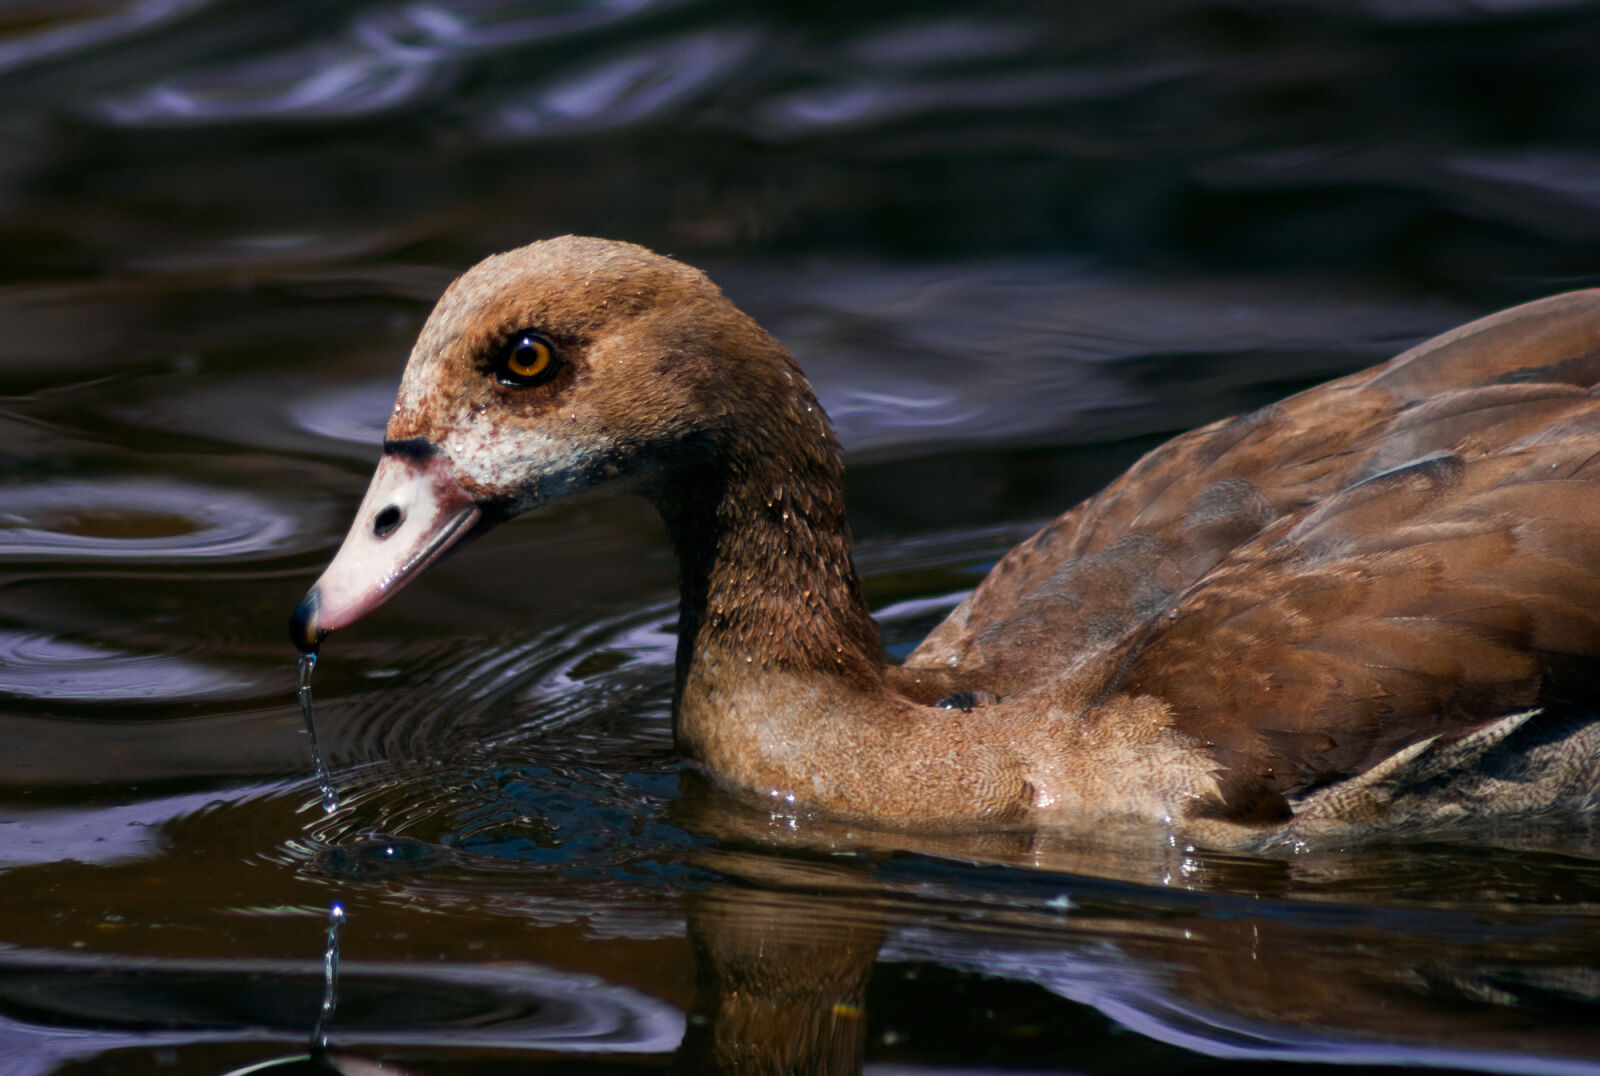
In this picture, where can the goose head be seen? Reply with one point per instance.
(559, 367)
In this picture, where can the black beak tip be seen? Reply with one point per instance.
(303, 629)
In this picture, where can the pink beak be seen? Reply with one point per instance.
(413, 513)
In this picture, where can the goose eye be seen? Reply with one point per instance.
(527, 360)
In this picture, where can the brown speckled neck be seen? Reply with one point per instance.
(757, 519)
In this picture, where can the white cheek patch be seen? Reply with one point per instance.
(526, 467)
(415, 384)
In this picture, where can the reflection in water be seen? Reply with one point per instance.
(780, 984)
(1217, 971)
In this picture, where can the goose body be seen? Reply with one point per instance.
(1372, 607)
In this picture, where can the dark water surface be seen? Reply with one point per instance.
(1015, 244)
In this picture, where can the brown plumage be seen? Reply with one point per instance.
(1373, 606)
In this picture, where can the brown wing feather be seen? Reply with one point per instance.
(1554, 340)
(1425, 601)
(1100, 572)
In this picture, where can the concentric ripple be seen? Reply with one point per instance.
(285, 415)
(354, 414)
(139, 520)
(38, 666)
(134, 1002)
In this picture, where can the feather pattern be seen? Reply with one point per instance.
(1343, 586)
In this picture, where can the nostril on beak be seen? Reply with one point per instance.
(384, 523)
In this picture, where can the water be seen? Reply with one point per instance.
(330, 795)
(330, 980)
(1013, 246)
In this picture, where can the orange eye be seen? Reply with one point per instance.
(528, 359)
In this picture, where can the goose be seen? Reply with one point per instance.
(1372, 608)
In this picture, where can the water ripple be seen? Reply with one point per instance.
(139, 520)
(352, 414)
(385, 59)
(607, 685)
(38, 666)
(283, 415)
(118, 22)
(528, 834)
(856, 104)
(944, 41)
(322, 81)
(623, 90)
(428, 30)
(131, 1002)
(1011, 351)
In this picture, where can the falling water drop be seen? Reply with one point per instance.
(330, 797)
(330, 979)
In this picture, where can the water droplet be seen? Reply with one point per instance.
(330, 795)
(330, 979)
